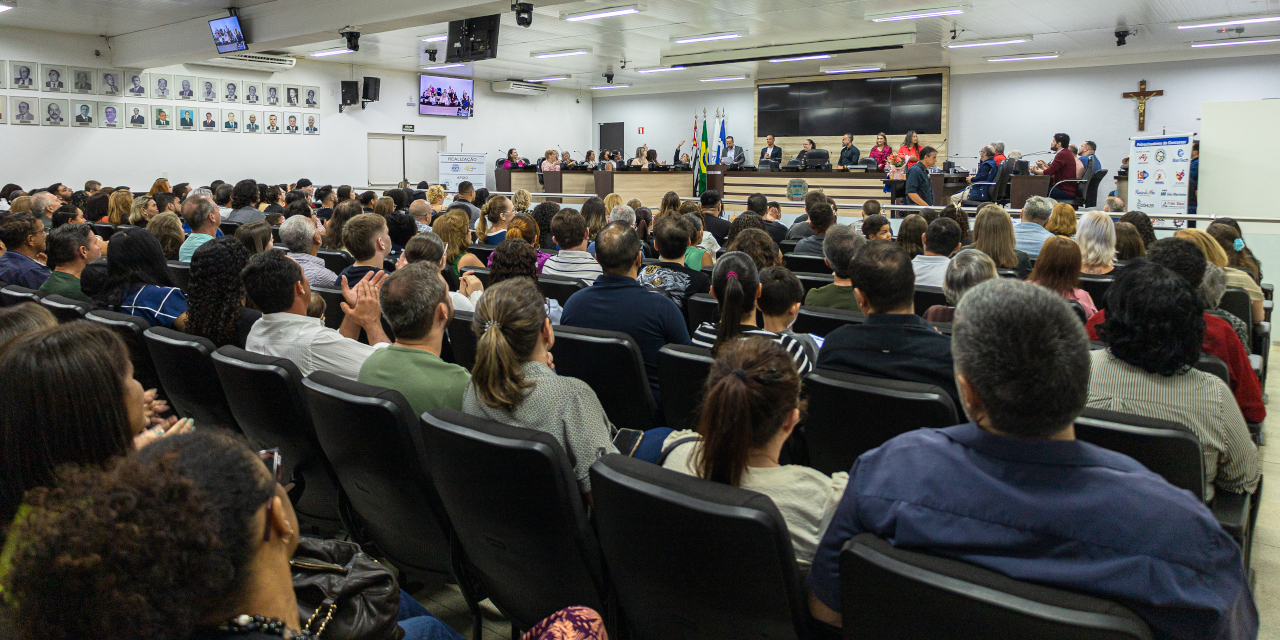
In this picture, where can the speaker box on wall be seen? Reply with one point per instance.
(350, 92)
(372, 87)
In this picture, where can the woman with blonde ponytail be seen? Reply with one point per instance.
(495, 215)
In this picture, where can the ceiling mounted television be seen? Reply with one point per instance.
(445, 96)
(227, 34)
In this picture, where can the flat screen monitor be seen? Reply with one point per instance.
(445, 96)
(227, 34)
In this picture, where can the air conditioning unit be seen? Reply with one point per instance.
(519, 88)
(254, 61)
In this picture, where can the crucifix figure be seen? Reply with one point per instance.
(1142, 95)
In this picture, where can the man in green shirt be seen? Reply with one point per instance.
(70, 247)
(838, 248)
(202, 216)
(415, 302)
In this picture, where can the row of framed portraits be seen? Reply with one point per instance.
(57, 78)
(64, 112)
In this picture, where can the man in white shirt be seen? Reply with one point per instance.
(277, 284)
(569, 230)
(941, 240)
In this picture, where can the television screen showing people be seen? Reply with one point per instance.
(442, 96)
(227, 35)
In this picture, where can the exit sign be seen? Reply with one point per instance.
(641, 129)
(408, 128)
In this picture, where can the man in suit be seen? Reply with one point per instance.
(273, 96)
(55, 114)
(311, 125)
(252, 124)
(54, 83)
(137, 89)
(273, 126)
(137, 118)
(84, 115)
(849, 154)
(110, 86)
(231, 124)
(82, 82)
(293, 125)
(251, 95)
(732, 154)
(186, 91)
(291, 97)
(186, 118)
(22, 79)
(311, 97)
(209, 94)
(232, 93)
(162, 118)
(208, 122)
(770, 152)
(162, 88)
(109, 115)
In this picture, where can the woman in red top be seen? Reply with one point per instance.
(881, 151)
(910, 148)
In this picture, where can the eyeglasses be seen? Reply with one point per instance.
(275, 464)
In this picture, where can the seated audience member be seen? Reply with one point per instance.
(781, 295)
(1096, 235)
(244, 203)
(415, 304)
(166, 202)
(520, 201)
(697, 257)
(67, 214)
(138, 281)
(95, 208)
(1101, 521)
(222, 195)
(821, 218)
(1142, 223)
(759, 205)
(671, 235)
(43, 206)
(716, 226)
(71, 247)
(366, 239)
(215, 307)
(1030, 233)
(428, 247)
(515, 258)
(1241, 268)
(623, 213)
(1213, 252)
(298, 207)
(735, 284)
(256, 236)
(494, 218)
(748, 220)
(466, 195)
(273, 202)
(22, 204)
(277, 286)
(1058, 268)
(911, 234)
(301, 238)
(569, 229)
(962, 221)
(1219, 339)
(400, 227)
(21, 319)
(800, 228)
(1062, 220)
(965, 271)
(993, 235)
(893, 342)
(367, 200)
(523, 227)
(452, 229)
(384, 206)
(838, 248)
(346, 210)
(543, 214)
(651, 320)
(1153, 332)
(513, 381)
(1248, 261)
(327, 197)
(167, 228)
(421, 212)
(752, 406)
(202, 216)
(1211, 290)
(759, 246)
(876, 227)
(24, 239)
(1113, 205)
(596, 214)
(941, 241)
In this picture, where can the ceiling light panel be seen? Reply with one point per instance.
(1233, 42)
(610, 12)
(991, 42)
(1030, 56)
(916, 14)
(1229, 22)
(561, 53)
(706, 37)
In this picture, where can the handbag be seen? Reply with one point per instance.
(343, 593)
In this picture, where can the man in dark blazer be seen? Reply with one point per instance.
(137, 118)
(732, 154)
(187, 119)
(770, 152)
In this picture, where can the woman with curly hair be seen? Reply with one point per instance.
(435, 198)
(516, 258)
(520, 201)
(543, 213)
(962, 219)
(215, 306)
(757, 244)
(167, 228)
(1145, 230)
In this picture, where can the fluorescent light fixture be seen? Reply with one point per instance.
(330, 52)
(562, 53)
(440, 38)
(986, 43)
(610, 86)
(1232, 42)
(444, 66)
(602, 13)
(547, 79)
(1030, 56)
(722, 79)
(1229, 22)
(916, 14)
(854, 68)
(892, 78)
(6, 5)
(820, 56)
(705, 37)
(660, 69)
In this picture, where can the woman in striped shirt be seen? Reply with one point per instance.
(735, 284)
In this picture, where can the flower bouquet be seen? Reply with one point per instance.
(897, 164)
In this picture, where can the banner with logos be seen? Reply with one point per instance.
(463, 167)
(1159, 177)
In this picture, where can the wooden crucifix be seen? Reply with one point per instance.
(1142, 95)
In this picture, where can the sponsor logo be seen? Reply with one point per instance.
(456, 168)
(1144, 157)
(1160, 156)
(1179, 176)
(1146, 205)
(1145, 192)
(1173, 204)
(471, 168)
(1143, 175)
(1181, 152)
(1159, 177)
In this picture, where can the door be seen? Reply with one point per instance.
(612, 136)
(393, 158)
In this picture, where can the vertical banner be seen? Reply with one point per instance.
(1159, 176)
(463, 167)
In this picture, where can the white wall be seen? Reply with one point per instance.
(667, 118)
(34, 156)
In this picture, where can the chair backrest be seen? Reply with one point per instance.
(815, 280)
(370, 435)
(869, 163)
(228, 228)
(895, 593)
(1236, 302)
(1212, 364)
(185, 366)
(14, 295)
(817, 158)
(335, 261)
(181, 273)
(515, 504)
(1091, 187)
(130, 329)
(806, 263)
(611, 363)
(1167, 448)
(104, 229)
(700, 308)
(682, 372)
(691, 558)
(927, 296)
(462, 342)
(851, 414)
(787, 246)
(1097, 287)
(333, 313)
(482, 251)
(1078, 309)
(65, 309)
(1004, 175)
(822, 321)
(559, 289)
(1013, 273)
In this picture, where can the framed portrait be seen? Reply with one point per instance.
(22, 75)
(252, 92)
(311, 97)
(136, 115)
(83, 81)
(4, 78)
(185, 87)
(135, 84)
(23, 110)
(54, 112)
(109, 83)
(292, 122)
(84, 114)
(208, 89)
(110, 115)
(272, 95)
(230, 91)
(273, 124)
(253, 122)
(162, 86)
(312, 127)
(186, 118)
(292, 95)
(208, 119)
(4, 108)
(53, 78)
(162, 116)
(231, 121)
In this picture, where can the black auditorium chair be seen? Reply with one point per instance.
(227, 228)
(682, 371)
(181, 273)
(65, 309)
(815, 280)
(850, 414)
(559, 289)
(481, 274)
(1096, 286)
(14, 295)
(822, 321)
(104, 229)
(482, 251)
(1212, 364)
(335, 261)
(185, 366)
(130, 329)
(700, 308)
(817, 160)
(370, 435)
(611, 363)
(519, 515)
(333, 313)
(462, 341)
(266, 398)
(806, 263)
(787, 246)
(887, 592)
(691, 558)
(1091, 189)
(997, 189)
(1013, 273)
(927, 296)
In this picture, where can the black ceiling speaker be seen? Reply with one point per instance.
(372, 88)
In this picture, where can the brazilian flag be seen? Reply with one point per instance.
(702, 161)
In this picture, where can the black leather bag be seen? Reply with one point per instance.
(343, 593)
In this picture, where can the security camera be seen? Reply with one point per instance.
(1121, 35)
(352, 37)
(608, 78)
(524, 13)
(624, 64)
(431, 53)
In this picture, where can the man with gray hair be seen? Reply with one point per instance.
(300, 236)
(1113, 204)
(415, 302)
(998, 146)
(1030, 234)
(838, 248)
(966, 270)
(43, 205)
(1014, 492)
(421, 212)
(623, 213)
(203, 217)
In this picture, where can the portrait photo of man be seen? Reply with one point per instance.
(162, 88)
(137, 117)
(273, 126)
(54, 81)
(251, 94)
(110, 84)
(252, 125)
(23, 113)
(85, 115)
(83, 82)
(186, 118)
(135, 85)
(185, 90)
(232, 94)
(273, 95)
(293, 125)
(53, 115)
(311, 97)
(231, 125)
(110, 117)
(208, 122)
(209, 95)
(21, 76)
(162, 118)
(291, 96)
(311, 125)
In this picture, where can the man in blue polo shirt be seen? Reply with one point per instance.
(1015, 492)
(919, 186)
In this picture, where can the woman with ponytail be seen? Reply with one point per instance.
(495, 216)
(752, 405)
(735, 284)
